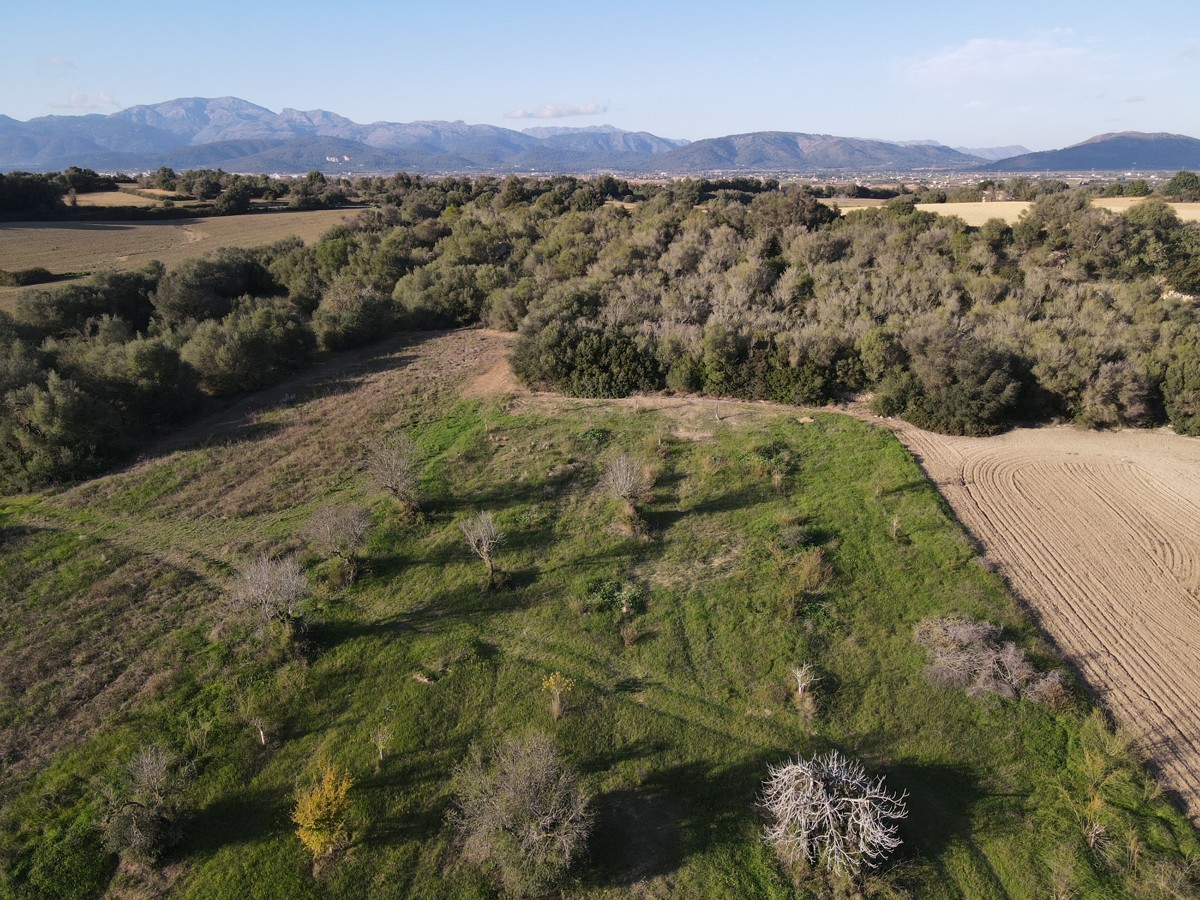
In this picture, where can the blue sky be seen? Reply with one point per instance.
(1043, 74)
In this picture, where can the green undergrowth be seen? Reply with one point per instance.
(672, 721)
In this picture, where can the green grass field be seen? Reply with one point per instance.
(113, 634)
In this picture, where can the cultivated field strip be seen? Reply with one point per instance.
(1100, 534)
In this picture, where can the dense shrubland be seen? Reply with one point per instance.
(738, 288)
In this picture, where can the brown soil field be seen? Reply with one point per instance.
(1099, 533)
(93, 246)
(975, 214)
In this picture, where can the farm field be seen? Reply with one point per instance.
(93, 246)
(1098, 532)
(114, 632)
(108, 199)
(975, 214)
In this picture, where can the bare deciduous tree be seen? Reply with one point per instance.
(625, 478)
(338, 531)
(524, 817)
(826, 811)
(145, 804)
(394, 467)
(381, 736)
(271, 590)
(483, 537)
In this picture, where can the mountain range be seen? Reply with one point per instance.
(239, 136)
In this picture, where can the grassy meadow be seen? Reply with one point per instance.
(114, 633)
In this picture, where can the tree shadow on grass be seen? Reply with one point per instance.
(235, 819)
(650, 830)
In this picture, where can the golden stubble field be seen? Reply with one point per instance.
(975, 214)
(94, 246)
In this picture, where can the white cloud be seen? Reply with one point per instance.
(1136, 98)
(82, 100)
(558, 111)
(1000, 62)
(57, 62)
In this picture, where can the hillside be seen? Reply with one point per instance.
(779, 151)
(115, 633)
(1130, 150)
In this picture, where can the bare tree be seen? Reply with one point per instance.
(625, 478)
(826, 811)
(394, 467)
(335, 530)
(524, 817)
(380, 738)
(145, 804)
(483, 537)
(271, 590)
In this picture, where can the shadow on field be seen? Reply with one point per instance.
(940, 801)
(465, 603)
(237, 819)
(649, 830)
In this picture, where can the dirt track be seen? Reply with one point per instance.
(1100, 534)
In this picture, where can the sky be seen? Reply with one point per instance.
(1040, 74)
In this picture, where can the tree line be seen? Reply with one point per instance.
(735, 289)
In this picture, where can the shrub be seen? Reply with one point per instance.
(321, 813)
(827, 812)
(968, 654)
(145, 806)
(351, 314)
(524, 817)
(252, 347)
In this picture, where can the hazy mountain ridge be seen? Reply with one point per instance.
(1127, 150)
(237, 135)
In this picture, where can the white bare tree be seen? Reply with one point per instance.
(335, 530)
(394, 467)
(483, 537)
(625, 478)
(826, 811)
(271, 590)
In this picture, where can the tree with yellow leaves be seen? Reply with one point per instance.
(322, 811)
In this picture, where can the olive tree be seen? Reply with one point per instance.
(524, 816)
(827, 812)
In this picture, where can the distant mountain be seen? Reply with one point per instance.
(239, 136)
(1126, 151)
(994, 152)
(781, 151)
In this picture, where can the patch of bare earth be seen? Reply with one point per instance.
(1099, 532)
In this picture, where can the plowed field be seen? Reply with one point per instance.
(1100, 534)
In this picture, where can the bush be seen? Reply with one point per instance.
(351, 314)
(146, 805)
(321, 813)
(256, 345)
(968, 654)
(524, 817)
(1181, 386)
